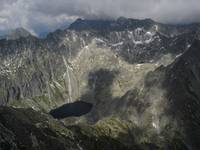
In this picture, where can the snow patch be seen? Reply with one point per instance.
(156, 27)
(177, 56)
(137, 42)
(117, 44)
(189, 45)
(68, 79)
(99, 40)
(138, 66)
(74, 36)
(80, 148)
(34, 140)
(148, 41)
(149, 33)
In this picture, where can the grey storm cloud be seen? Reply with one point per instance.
(38, 15)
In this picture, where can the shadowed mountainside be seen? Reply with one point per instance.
(181, 82)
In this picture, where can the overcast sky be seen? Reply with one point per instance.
(45, 15)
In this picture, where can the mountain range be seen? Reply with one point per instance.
(102, 84)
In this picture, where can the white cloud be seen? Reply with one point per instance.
(37, 15)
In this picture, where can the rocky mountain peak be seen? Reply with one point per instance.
(119, 24)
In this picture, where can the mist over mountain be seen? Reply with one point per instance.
(39, 15)
(15, 34)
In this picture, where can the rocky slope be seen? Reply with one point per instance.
(43, 68)
(178, 101)
(132, 70)
(25, 129)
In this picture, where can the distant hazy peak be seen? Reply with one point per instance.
(15, 34)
